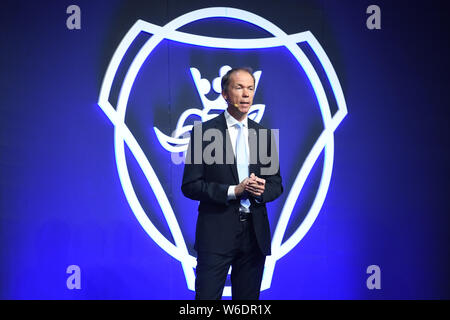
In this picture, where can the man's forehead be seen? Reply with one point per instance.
(241, 76)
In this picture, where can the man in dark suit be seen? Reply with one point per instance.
(233, 180)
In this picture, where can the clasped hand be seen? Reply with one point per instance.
(253, 185)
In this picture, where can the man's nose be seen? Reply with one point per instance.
(245, 93)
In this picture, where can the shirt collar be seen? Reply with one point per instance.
(231, 121)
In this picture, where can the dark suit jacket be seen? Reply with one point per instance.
(218, 219)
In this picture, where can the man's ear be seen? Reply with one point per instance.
(225, 96)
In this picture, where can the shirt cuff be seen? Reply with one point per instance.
(231, 195)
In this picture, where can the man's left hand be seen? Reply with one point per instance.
(255, 185)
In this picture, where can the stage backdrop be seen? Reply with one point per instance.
(97, 102)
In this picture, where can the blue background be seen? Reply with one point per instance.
(61, 202)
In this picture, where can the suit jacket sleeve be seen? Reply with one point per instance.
(274, 187)
(195, 186)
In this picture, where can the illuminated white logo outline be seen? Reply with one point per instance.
(177, 142)
(122, 134)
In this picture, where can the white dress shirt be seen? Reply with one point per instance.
(233, 132)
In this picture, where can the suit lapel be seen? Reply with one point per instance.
(253, 147)
(228, 152)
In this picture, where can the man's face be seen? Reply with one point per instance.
(241, 91)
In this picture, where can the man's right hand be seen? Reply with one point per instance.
(240, 188)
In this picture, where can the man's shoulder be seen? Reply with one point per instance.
(211, 123)
(255, 125)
